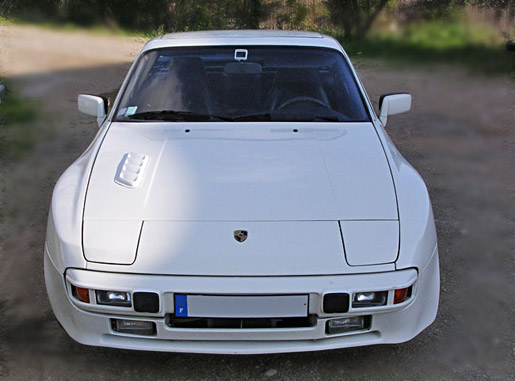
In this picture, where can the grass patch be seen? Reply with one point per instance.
(6, 22)
(473, 46)
(17, 125)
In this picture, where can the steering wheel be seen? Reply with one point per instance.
(302, 99)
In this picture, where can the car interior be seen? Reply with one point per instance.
(220, 85)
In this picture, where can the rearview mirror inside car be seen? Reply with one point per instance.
(242, 68)
(94, 106)
(391, 104)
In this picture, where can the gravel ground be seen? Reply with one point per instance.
(459, 135)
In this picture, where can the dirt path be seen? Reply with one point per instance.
(460, 136)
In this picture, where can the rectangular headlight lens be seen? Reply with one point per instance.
(134, 327)
(355, 323)
(114, 298)
(369, 299)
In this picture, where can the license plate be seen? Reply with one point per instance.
(217, 306)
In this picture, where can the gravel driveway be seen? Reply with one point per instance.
(460, 135)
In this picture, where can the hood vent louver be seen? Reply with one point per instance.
(131, 170)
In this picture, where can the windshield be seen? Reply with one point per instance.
(262, 83)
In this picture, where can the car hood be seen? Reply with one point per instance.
(254, 172)
(153, 175)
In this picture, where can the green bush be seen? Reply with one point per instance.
(477, 47)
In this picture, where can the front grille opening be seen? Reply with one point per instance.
(241, 323)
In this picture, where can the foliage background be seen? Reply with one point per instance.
(475, 33)
(353, 17)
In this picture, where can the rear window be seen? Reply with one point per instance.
(242, 84)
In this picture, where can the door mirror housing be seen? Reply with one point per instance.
(391, 104)
(94, 106)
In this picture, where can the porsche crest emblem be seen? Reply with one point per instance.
(240, 235)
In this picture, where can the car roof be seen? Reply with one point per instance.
(242, 38)
(243, 34)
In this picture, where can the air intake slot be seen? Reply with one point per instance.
(246, 323)
(131, 170)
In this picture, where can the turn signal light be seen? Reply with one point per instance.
(81, 294)
(401, 295)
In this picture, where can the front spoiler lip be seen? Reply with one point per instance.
(242, 347)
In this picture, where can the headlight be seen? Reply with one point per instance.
(369, 299)
(114, 298)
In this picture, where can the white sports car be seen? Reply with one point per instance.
(242, 196)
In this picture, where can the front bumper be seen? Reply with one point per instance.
(91, 324)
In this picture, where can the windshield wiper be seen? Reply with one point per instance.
(256, 117)
(327, 118)
(174, 116)
(190, 116)
(282, 117)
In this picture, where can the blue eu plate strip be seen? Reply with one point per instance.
(181, 305)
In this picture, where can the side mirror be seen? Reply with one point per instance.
(391, 104)
(94, 106)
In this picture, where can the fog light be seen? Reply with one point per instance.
(401, 295)
(135, 327)
(81, 294)
(355, 323)
(369, 299)
(114, 298)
